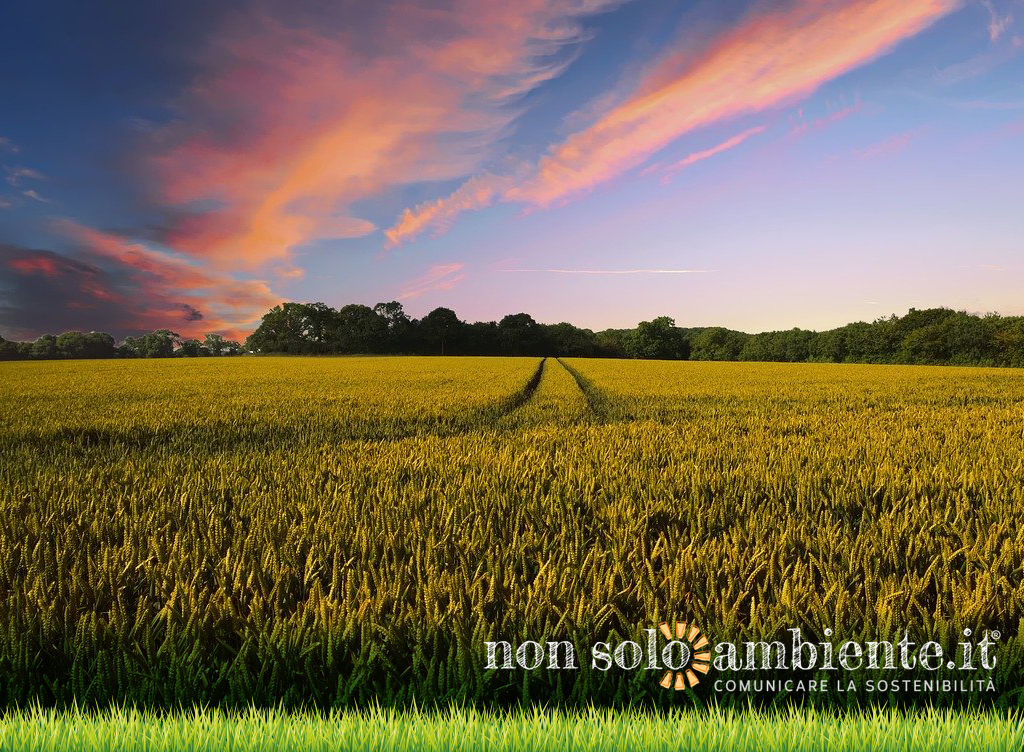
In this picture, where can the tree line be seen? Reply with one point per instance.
(930, 336)
(163, 343)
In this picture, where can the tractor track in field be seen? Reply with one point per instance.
(543, 399)
(526, 393)
(596, 401)
(562, 397)
(219, 437)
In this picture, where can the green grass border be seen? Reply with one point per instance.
(466, 730)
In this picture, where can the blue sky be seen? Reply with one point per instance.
(753, 165)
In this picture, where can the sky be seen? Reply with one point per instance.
(755, 165)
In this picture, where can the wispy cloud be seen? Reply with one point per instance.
(771, 58)
(48, 265)
(699, 156)
(1005, 46)
(476, 193)
(289, 127)
(887, 147)
(34, 195)
(610, 271)
(16, 175)
(775, 56)
(16, 178)
(801, 126)
(998, 21)
(439, 277)
(7, 145)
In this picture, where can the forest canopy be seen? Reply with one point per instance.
(929, 336)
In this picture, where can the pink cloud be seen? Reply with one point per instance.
(773, 57)
(698, 156)
(998, 22)
(289, 127)
(770, 59)
(887, 147)
(43, 265)
(439, 277)
(161, 290)
(476, 193)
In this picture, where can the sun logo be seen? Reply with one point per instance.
(695, 656)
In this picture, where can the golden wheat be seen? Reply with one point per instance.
(333, 530)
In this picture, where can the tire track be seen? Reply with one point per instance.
(599, 404)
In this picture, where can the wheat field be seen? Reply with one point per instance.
(335, 532)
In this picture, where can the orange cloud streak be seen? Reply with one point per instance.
(163, 287)
(698, 156)
(291, 127)
(476, 193)
(771, 58)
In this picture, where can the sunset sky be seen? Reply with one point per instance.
(756, 165)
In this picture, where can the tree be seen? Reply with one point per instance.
(190, 348)
(85, 345)
(614, 343)
(519, 334)
(216, 345)
(864, 343)
(829, 347)
(318, 323)
(158, 344)
(9, 350)
(399, 326)
(45, 347)
(356, 329)
(792, 346)
(718, 343)
(1008, 339)
(481, 338)
(659, 339)
(439, 328)
(283, 329)
(71, 345)
(566, 339)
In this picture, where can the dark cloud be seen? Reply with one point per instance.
(191, 313)
(43, 292)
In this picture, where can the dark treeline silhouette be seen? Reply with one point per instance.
(932, 336)
(163, 343)
(318, 329)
